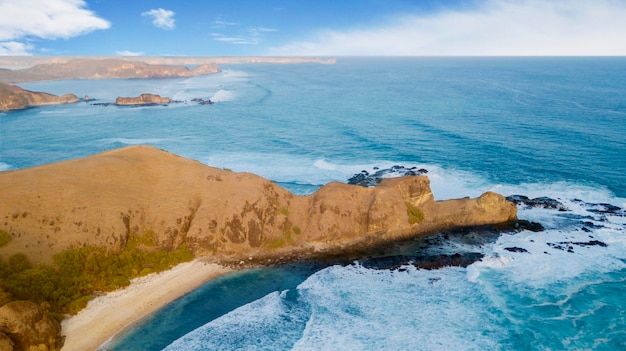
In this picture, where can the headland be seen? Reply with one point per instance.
(153, 201)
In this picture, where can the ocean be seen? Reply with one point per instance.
(538, 127)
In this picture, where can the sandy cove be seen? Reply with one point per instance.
(107, 315)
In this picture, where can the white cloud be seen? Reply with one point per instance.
(128, 53)
(239, 40)
(220, 23)
(493, 27)
(47, 19)
(13, 48)
(252, 36)
(161, 18)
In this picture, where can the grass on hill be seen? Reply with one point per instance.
(79, 273)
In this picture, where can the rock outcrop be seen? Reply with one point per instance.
(102, 69)
(24, 326)
(143, 99)
(16, 98)
(106, 198)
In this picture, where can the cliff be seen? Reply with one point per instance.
(16, 98)
(106, 198)
(102, 69)
(143, 99)
(24, 326)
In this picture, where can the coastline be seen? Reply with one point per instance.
(107, 315)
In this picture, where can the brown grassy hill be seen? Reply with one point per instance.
(137, 191)
(16, 98)
(101, 69)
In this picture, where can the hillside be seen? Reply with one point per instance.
(106, 199)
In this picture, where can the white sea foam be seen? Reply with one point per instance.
(4, 166)
(564, 251)
(354, 308)
(223, 95)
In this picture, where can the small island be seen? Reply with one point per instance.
(142, 100)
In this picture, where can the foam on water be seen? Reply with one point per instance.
(4, 166)
(354, 308)
(223, 95)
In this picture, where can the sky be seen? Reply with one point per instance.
(313, 27)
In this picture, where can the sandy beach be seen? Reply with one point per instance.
(107, 315)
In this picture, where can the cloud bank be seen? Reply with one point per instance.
(14, 48)
(161, 18)
(490, 28)
(46, 19)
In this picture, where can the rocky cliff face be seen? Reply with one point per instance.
(24, 326)
(102, 69)
(104, 199)
(143, 99)
(16, 98)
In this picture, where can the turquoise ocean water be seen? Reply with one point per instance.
(551, 127)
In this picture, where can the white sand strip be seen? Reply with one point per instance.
(109, 314)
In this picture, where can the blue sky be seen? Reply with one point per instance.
(312, 28)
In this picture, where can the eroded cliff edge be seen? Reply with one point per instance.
(104, 199)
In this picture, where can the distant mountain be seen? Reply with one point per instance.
(102, 69)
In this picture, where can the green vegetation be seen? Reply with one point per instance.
(78, 273)
(415, 214)
(287, 237)
(274, 201)
(4, 238)
(277, 243)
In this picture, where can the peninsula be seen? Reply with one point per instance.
(15, 98)
(153, 201)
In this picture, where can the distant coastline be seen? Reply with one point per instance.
(27, 61)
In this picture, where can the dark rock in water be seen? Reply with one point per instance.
(604, 208)
(539, 202)
(591, 243)
(523, 224)
(423, 262)
(455, 260)
(591, 225)
(516, 249)
(569, 245)
(202, 101)
(364, 178)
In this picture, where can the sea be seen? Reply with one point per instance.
(550, 127)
